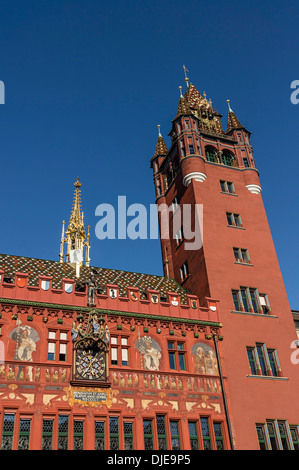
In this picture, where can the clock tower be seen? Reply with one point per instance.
(237, 264)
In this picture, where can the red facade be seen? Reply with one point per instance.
(162, 388)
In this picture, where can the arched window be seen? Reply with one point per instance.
(228, 158)
(211, 154)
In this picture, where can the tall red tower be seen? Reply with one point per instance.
(236, 264)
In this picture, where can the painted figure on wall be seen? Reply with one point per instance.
(150, 350)
(205, 359)
(26, 339)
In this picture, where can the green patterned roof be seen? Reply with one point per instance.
(57, 271)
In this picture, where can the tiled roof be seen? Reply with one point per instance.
(233, 122)
(161, 148)
(34, 267)
(183, 108)
(192, 96)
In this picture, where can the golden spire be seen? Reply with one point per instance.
(74, 236)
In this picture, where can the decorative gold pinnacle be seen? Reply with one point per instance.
(74, 236)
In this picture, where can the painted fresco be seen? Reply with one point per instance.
(205, 361)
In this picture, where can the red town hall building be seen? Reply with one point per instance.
(199, 358)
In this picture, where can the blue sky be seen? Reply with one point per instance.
(86, 84)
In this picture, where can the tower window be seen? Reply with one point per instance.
(191, 149)
(263, 361)
(179, 236)
(175, 204)
(211, 155)
(248, 299)
(241, 255)
(227, 158)
(246, 162)
(233, 220)
(227, 187)
(184, 271)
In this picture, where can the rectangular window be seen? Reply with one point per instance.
(246, 162)
(260, 429)
(175, 435)
(218, 436)
(179, 236)
(205, 431)
(263, 359)
(244, 299)
(113, 433)
(176, 354)
(236, 300)
(193, 434)
(252, 360)
(254, 300)
(148, 434)
(63, 432)
(128, 435)
(273, 362)
(191, 149)
(272, 435)
(62, 352)
(184, 271)
(161, 432)
(175, 204)
(24, 434)
(59, 342)
(227, 187)
(78, 438)
(7, 431)
(119, 350)
(250, 300)
(295, 436)
(233, 220)
(277, 435)
(264, 303)
(47, 434)
(241, 255)
(99, 435)
(51, 351)
(283, 435)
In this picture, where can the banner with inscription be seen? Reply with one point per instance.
(88, 396)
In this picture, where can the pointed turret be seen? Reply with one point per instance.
(183, 106)
(161, 147)
(233, 122)
(75, 236)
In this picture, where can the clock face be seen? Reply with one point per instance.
(90, 365)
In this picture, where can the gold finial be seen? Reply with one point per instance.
(186, 78)
(159, 132)
(229, 108)
(181, 95)
(77, 184)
